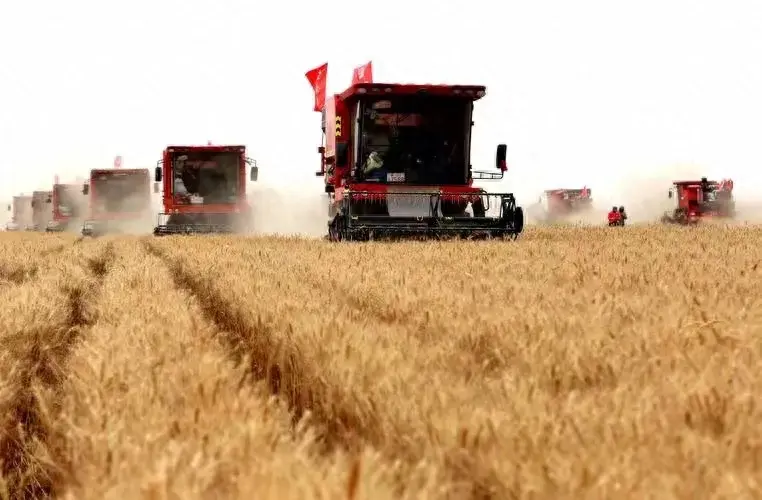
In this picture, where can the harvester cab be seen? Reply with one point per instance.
(119, 199)
(204, 189)
(697, 199)
(396, 160)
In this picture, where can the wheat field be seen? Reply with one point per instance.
(573, 363)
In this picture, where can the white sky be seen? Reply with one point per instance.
(589, 92)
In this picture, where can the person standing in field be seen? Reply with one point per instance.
(614, 217)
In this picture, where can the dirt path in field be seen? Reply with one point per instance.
(43, 322)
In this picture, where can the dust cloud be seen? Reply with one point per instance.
(288, 210)
(141, 222)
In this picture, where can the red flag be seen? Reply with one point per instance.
(317, 78)
(363, 74)
(117, 162)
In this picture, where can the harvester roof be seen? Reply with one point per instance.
(211, 148)
(691, 183)
(473, 92)
(566, 190)
(113, 171)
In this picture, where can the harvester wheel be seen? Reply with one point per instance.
(518, 223)
(335, 229)
(478, 208)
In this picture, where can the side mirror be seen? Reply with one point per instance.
(155, 187)
(342, 154)
(670, 194)
(85, 188)
(500, 157)
(254, 173)
(157, 174)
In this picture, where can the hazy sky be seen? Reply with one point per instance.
(587, 92)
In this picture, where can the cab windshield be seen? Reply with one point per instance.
(206, 177)
(414, 140)
(120, 193)
(67, 200)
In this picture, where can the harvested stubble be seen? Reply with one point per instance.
(574, 363)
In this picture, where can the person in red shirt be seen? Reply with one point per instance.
(615, 218)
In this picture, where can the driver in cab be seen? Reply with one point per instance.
(179, 184)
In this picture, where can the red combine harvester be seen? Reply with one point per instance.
(42, 211)
(120, 201)
(21, 214)
(398, 164)
(697, 200)
(68, 205)
(559, 203)
(204, 189)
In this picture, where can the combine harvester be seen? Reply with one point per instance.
(120, 201)
(42, 209)
(21, 214)
(204, 190)
(700, 200)
(398, 164)
(558, 204)
(68, 204)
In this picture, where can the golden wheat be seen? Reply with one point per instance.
(575, 362)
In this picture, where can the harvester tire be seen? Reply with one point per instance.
(336, 228)
(518, 223)
(478, 209)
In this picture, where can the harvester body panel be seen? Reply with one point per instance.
(204, 189)
(396, 163)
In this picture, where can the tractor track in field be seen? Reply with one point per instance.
(283, 368)
(279, 365)
(27, 417)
